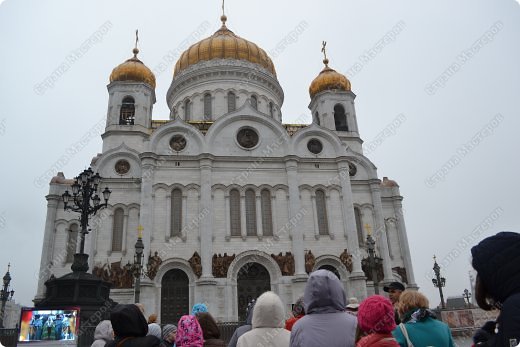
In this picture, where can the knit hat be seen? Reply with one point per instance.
(168, 329)
(199, 308)
(376, 315)
(298, 308)
(154, 329)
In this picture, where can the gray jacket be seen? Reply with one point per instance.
(325, 323)
(241, 330)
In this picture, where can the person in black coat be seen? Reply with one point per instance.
(130, 328)
(497, 261)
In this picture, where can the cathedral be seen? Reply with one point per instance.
(229, 201)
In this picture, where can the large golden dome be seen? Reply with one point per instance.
(133, 70)
(329, 79)
(224, 44)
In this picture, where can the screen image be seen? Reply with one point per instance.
(48, 324)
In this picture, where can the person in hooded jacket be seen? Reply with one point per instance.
(298, 312)
(241, 330)
(130, 328)
(325, 322)
(268, 324)
(210, 330)
(497, 262)
(103, 334)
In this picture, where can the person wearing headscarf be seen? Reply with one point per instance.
(199, 308)
(268, 324)
(241, 330)
(376, 322)
(210, 330)
(169, 333)
(130, 328)
(103, 334)
(154, 329)
(497, 262)
(189, 332)
(298, 312)
(325, 322)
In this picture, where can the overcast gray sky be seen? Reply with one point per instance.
(447, 70)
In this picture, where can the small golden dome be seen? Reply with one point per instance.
(133, 70)
(329, 79)
(224, 44)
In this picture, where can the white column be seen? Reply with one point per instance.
(259, 230)
(145, 212)
(168, 214)
(228, 217)
(48, 241)
(206, 225)
(379, 230)
(125, 232)
(315, 217)
(184, 221)
(274, 216)
(243, 224)
(405, 248)
(295, 216)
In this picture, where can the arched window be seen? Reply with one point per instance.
(234, 210)
(207, 106)
(117, 230)
(127, 115)
(317, 118)
(321, 211)
(254, 102)
(250, 212)
(187, 110)
(271, 110)
(176, 213)
(72, 242)
(267, 213)
(340, 119)
(359, 227)
(231, 102)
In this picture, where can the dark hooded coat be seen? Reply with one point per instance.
(130, 328)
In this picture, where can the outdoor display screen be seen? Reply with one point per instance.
(49, 324)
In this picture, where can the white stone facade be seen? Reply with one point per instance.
(209, 167)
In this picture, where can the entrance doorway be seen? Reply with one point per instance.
(253, 279)
(175, 296)
(331, 269)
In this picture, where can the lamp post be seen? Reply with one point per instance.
(5, 294)
(439, 281)
(467, 295)
(138, 263)
(372, 259)
(85, 200)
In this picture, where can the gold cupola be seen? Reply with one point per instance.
(328, 79)
(133, 70)
(224, 44)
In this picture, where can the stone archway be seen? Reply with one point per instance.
(175, 296)
(331, 269)
(252, 280)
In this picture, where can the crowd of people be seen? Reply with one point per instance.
(323, 317)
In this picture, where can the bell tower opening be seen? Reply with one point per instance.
(340, 118)
(127, 115)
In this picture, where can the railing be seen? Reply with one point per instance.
(227, 329)
(8, 337)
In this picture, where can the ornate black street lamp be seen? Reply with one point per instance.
(373, 261)
(439, 281)
(467, 295)
(5, 294)
(85, 200)
(136, 269)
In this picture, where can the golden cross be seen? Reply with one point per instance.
(140, 231)
(223, 12)
(324, 50)
(368, 228)
(136, 37)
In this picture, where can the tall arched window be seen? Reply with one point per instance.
(234, 210)
(207, 106)
(340, 119)
(231, 102)
(176, 213)
(250, 212)
(321, 211)
(72, 241)
(267, 213)
(117, 230)
(317, 118)
(127, 115)
(187, 110)
(254, 102)
(359, 227)
(271, 109)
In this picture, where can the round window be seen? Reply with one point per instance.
(247, 138)
(178, 143)
(314, 146)
(122, 167)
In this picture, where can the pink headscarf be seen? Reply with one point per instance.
(189, 332)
